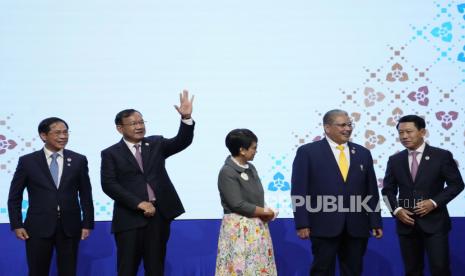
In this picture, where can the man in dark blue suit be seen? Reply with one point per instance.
(414, 189)
(133, 174)
(335, 197)
(59, 190)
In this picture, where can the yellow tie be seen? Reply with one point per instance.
(343, 163)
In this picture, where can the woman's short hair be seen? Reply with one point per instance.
(239, 138)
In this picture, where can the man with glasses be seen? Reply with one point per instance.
(60, 209)
(133, 174)
(330, 180)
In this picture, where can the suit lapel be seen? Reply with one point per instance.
(354, 160)
(327, 151)
(41, 160)
(424, 162)
(145, 153)
(126, 152)
(66, 167)
(405, 166)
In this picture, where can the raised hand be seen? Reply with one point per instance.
(185, 105)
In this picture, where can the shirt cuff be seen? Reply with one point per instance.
(434, 203)
(188, 121)
(396, 210)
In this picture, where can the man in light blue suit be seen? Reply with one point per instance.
(335, 197)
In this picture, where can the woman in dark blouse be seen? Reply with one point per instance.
(244, 245)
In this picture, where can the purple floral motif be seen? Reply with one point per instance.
(6, 144)
(420, 96)
(447, 118)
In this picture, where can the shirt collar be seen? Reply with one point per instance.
(420, 149)
(333, 144)
(246, 166)
(131, 145)
(48, 152)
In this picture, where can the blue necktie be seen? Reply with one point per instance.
(54, 167)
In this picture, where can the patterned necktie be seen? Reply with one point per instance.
(414, 167)
(139, 161)
(54, 168)
(343, 163)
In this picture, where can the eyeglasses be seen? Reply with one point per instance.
(133, 124)
(59, 132)
(344, 125)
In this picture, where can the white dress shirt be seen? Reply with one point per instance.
(419, 151)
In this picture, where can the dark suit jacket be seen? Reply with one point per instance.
(74, 195)
(437, 167)
(126, 184)
(316, 173)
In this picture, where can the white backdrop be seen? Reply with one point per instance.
(271, 66)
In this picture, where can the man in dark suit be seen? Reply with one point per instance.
(133, 174)
(329, 172)
(59, 189)
(414, 190)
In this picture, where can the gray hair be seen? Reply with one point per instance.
(328, 118)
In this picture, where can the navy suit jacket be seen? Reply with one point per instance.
(124, 182)
(437, 167)
(73, 195)
(316, 173)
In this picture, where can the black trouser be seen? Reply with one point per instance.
(413, 247)
(39, 252)
(349, 251)
(147, 243)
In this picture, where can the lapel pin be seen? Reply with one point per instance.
(244, 176)
(427, 157)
